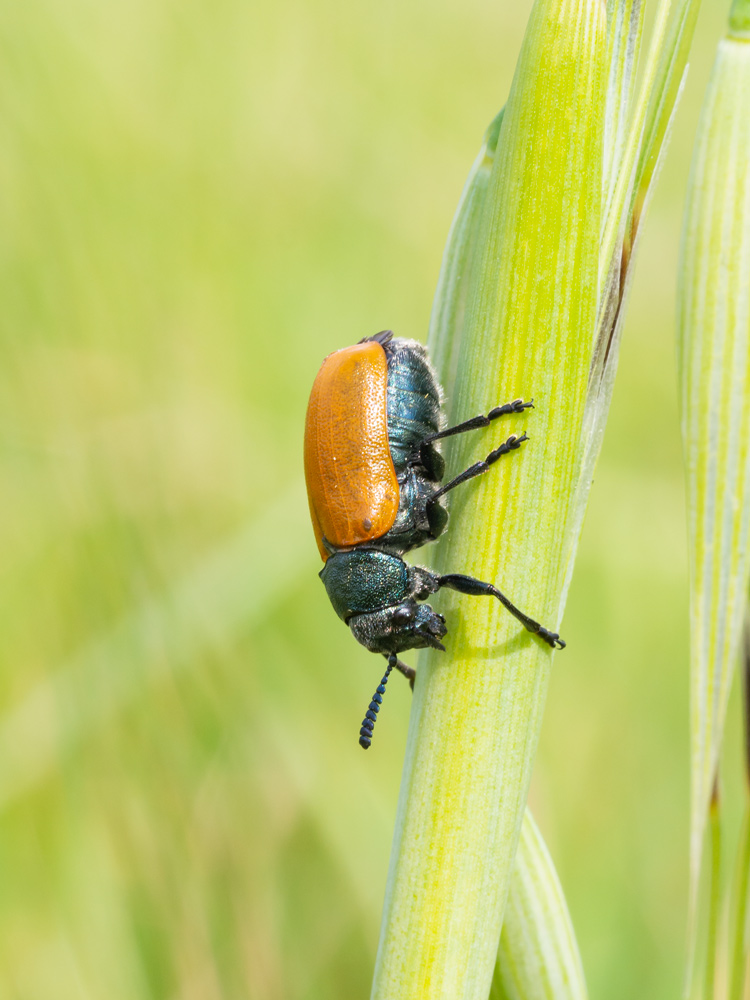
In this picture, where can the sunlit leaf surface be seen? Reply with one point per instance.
(714, 369)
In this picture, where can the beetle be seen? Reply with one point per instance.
(375, 489)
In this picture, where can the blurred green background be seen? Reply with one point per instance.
(197, 203)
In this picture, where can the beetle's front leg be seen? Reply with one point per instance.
(470, 585)
(473, 423)
(426, 455)
(424, 582)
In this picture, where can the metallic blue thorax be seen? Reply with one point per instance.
(363, 580)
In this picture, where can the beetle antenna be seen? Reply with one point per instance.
(368, 723)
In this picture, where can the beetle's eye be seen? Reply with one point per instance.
(402, 616)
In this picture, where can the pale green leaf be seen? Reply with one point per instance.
(647, 130)
(460, 258)
(538, 957)
(739, 971)
(477, 709)
(714, 965)
(739, 20)
(633, 159)
(738, 935)
(670, 50)
(538, 943)
(476, 713)
(714, 370)
(624, 35)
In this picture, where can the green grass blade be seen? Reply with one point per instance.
(714, 370)
(617, 222)
(613, 299)
(538, 942)
(671, 63)
(713, 943)
(739, 929)
(477, 709)
(643, 126)
(538, 957)
(624, 35)
(739, 20)
(648, 130)
(460, 259)
(740, 940)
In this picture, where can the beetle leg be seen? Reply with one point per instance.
(409, 672)
(517, 406)
(469, 585)
(478, 468)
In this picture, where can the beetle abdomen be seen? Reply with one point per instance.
(351, 481)
(413, 399)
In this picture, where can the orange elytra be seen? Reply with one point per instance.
(351, 480)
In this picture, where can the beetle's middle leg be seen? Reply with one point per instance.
(479, 468)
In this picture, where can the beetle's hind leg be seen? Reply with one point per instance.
(470, 585)
(473, 423)
(513, 442)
